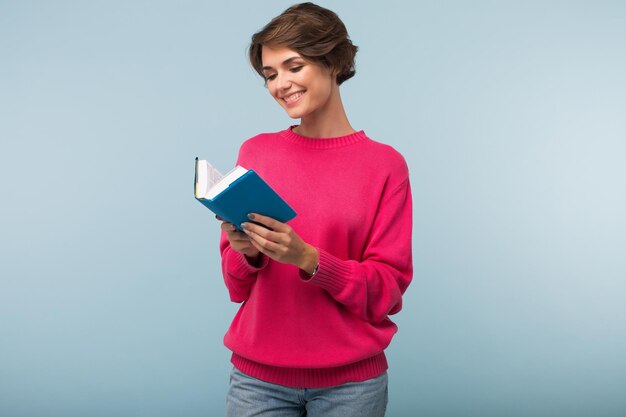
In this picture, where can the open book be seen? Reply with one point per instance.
(239, 192)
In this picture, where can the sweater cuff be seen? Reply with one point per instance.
(242, 267)
(332, 273)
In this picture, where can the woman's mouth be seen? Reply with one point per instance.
(293, 98)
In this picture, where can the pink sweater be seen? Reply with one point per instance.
(353, 200)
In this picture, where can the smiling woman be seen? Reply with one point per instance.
(303, 88)
(306, 50)
(317, 293)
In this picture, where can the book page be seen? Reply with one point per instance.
(223, 184)
(206, 177)
(213, 177)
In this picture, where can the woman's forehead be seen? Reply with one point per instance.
(277, 56)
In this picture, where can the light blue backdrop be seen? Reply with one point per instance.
(511, 115)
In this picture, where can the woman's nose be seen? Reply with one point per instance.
(283, 81)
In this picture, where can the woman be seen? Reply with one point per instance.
(317, 293)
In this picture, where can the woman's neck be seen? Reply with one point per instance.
(330, 122)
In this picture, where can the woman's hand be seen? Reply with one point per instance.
(239, 241)
(280, 243)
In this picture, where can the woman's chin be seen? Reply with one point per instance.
(294, 114)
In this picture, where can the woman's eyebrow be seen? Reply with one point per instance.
(285, 62)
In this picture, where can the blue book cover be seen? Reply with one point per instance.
(248, 193)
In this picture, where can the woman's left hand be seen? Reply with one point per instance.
(280, 242)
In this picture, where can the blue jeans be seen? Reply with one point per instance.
(248, 396)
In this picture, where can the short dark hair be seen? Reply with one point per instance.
(316, 33)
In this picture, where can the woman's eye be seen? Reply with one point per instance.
(292, 69)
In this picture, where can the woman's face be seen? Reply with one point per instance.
(301, 87)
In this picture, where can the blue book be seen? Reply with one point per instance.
(234, 195)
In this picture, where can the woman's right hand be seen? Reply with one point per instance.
(239, 241)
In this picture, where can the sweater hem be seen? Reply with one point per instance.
(313, 377)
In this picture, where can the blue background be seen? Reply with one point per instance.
(511, 115)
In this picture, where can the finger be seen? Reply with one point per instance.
(232, 233)
(261, 249)
(228, 227)
(246, 246)
(263, 232)
(268, 221)
(238, 237)
(268, 247)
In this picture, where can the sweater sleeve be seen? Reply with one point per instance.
(373, 288)
(239, 274)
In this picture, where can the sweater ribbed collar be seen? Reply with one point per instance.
(322, 143)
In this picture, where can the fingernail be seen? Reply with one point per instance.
(251, 216)
(244, 225)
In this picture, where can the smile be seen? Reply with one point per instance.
(292, 98)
